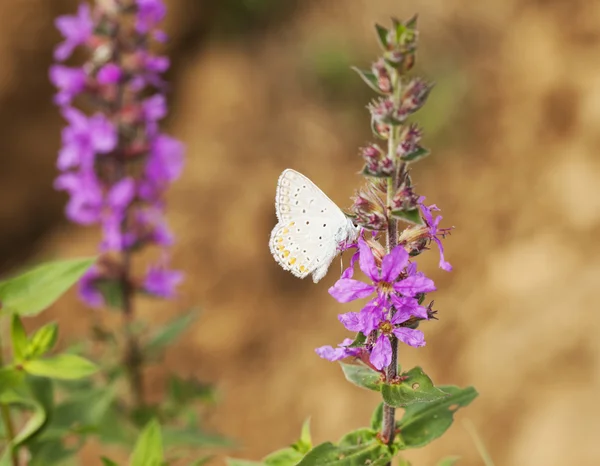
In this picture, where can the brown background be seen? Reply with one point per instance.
(261, 86)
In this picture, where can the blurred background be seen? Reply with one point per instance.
(262, 85)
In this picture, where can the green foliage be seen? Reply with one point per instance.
(415, 387)
(35, 290)
(362, 376)
(148, 449)
(424, 422)
(62, 366)
(369, 78)
(411, 216)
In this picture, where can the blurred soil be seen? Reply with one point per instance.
(513, 128)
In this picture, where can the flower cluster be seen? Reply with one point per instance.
(396, 288)
(115, 163)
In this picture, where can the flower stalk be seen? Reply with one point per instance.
(116, 164)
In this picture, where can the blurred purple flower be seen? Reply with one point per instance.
(69, 81)
(434, 231)
(76, 30)
(88, 292)
(341, 352)
(160, 281)
(149, 14)
(109, 74)
(84, 138)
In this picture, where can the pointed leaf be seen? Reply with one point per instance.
(362, 376)
(42, 341)
(18, 338)
(283, 457)
(369, 78)
(382, 36)
(62, 366)
(424, 422)
(416, 155)
(417, 388)
(35, 290)
(304, 444)
(148, 449)
(410, 216)
(358, 437)
(359, 340)
(170, 332)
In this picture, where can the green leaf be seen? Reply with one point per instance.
(362, 376)
(10, 378)
(417, 388)
(358, 437)
(35, 290)
(18, 338)
(62, 366)
(377, 417)
(34, 422)
(170, 332)
(192, 437)
(450, 461)
(283, 457)
(81, 412)
(410, 216)
(382, 36)
(369, 78)
(107, 462)
(238, 462)
(42, 341)
(416, 155)
(424, 422)
(304, 444)
(148, 449)
(327, 454)
(359, 340)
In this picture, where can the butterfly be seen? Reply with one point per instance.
(311, 229)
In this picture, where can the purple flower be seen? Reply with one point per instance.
(149, 14)
(341, 352)
(385, 282)
(376, 319)
(69, 81)
(434, 231)
(88, 291)
(109, 74)
(76, 29)
(161, 281)
(164, 165)
(85, 204)
(84, 138)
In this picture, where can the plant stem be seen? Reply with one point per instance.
(389, 413)
(8, 424)
(132, 357)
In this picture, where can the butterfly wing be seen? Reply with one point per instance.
(305, 239)
(298, 196)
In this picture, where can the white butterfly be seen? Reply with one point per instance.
(311, 227)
